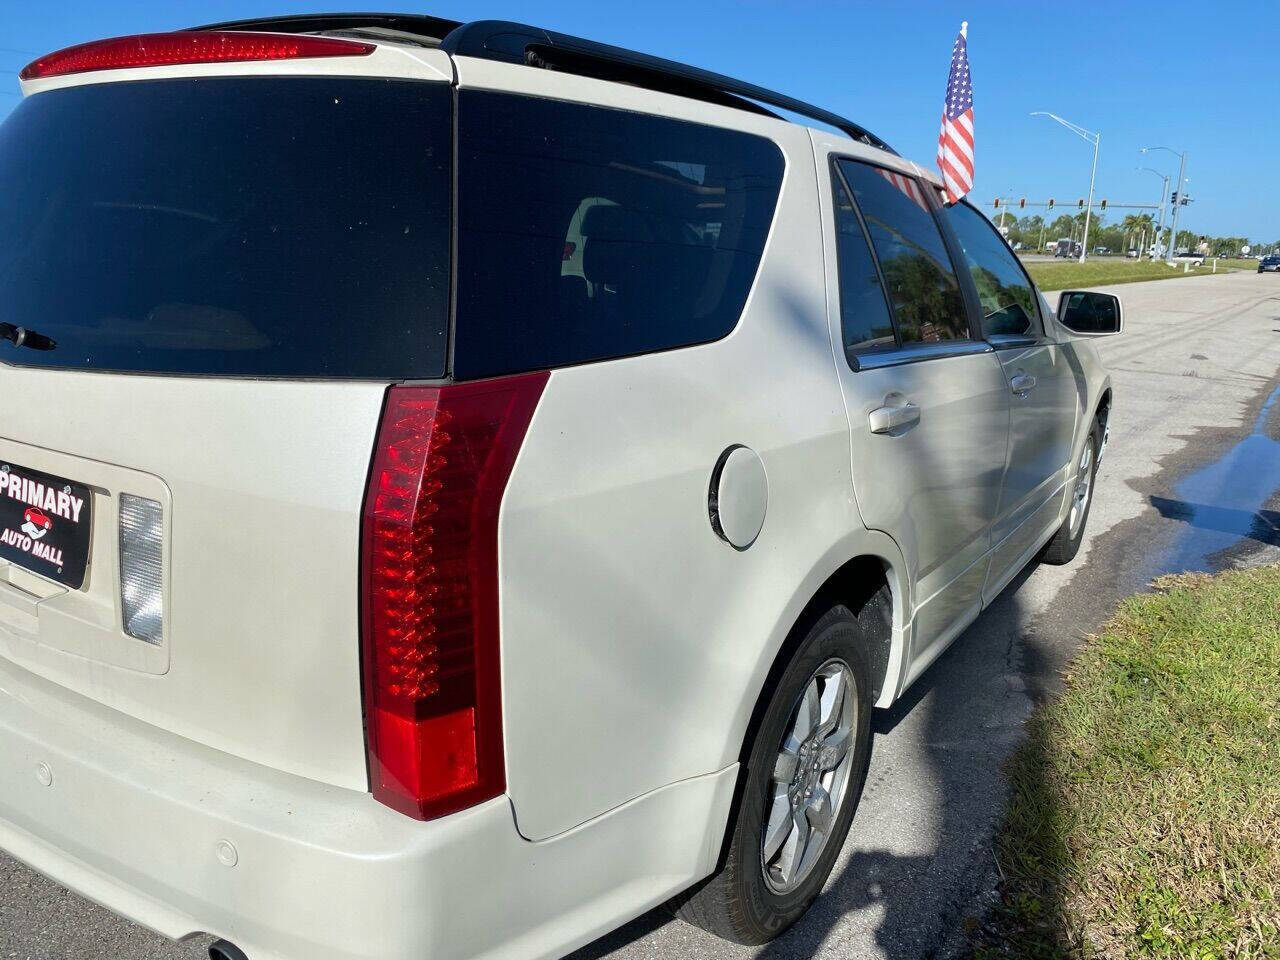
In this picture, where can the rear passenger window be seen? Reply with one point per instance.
(1007, 297)
(922, 285)
(864, 314)
(586, 233)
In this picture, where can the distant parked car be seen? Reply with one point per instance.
(1131, 254)
(1270, 264)
(1186, 256)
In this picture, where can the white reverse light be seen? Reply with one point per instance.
(141, 567)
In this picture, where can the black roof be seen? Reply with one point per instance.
(535, 47)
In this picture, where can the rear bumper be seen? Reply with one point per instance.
(186, 840)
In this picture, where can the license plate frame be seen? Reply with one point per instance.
(46, 523)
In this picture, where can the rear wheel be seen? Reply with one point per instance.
(1066, 542)
(803, 781)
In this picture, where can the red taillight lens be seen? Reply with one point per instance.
(201, 46)
(430, 591)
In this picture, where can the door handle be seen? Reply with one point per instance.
(888, 419)
(1022, 383)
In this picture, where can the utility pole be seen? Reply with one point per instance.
(1088, 211)
(1089, 137)
(1164, 195)
(1180, 186)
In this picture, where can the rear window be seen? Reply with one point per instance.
(922, 285)
(587, 233)
(290, 227)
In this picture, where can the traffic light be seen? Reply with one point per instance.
(1175, 196)
(1050, 207)
(1080, 203)
(996, 203)
(1104, 204)
(1022, 204)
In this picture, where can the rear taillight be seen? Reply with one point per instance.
(429, 573)
(201, 46)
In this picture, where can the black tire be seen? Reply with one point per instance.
(1064, 546)
(737, 903)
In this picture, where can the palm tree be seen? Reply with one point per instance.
(1135, 225)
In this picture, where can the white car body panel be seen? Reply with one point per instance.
(265, 482)
(635, 643)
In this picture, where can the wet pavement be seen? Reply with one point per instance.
(1188, 482)
(1223, 505)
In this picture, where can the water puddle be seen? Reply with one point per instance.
(1222, 504)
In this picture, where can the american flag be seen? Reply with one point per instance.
(955, 141)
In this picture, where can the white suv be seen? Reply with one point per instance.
(462, 486)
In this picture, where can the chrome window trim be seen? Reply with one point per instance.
(1009, 341)
(918, 352)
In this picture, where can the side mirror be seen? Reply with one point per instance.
(1090, 314)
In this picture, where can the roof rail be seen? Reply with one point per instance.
(535, 47)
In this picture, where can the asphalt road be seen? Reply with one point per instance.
(1191, 375)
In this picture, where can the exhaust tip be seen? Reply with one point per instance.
(225, 950)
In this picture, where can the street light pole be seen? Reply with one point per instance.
(1090, 137)
(1182, 189)
(1164, 195)
(1088, 210)
(1182, 169)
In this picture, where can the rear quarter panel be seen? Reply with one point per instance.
(634, 640)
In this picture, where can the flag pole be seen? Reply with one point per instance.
(964, 29)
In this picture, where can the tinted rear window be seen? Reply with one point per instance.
(864, 314)
(586, 233)
(922, 285)
(293, 227)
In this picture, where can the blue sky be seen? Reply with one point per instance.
(1185, 75)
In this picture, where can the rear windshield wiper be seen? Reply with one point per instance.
(22, 337)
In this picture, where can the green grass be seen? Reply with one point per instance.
(1239, 264)
(1097, 273)
(1144, 815)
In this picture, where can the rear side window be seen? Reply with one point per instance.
(864, 314)
(257, 226)
(922, 285)
(1008, 300)
(586, 233)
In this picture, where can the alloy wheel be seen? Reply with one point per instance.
(810, 777)
(1084, 487)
